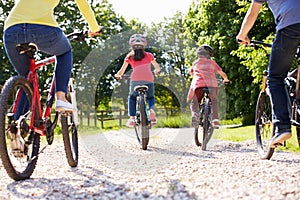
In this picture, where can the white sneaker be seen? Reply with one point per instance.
(62, 106)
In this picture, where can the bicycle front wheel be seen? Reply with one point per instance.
(263, 125)
(19, 146)
(69, 124)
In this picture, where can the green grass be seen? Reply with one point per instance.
(244, 133)
(238, 134)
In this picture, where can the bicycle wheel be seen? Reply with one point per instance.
(196, 131)
(19, 146)
(69, 124)
(264, 126)
(144, 123)
(207, 126)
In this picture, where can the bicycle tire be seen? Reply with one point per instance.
(70, 131)
(19, 163)
(264, 128)
(144, 123)
(196, 128)
(298, 135)
(196, 137)
(137, 127)
(206, 124)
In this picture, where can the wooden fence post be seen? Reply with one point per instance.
(120, 118)
(102, 119)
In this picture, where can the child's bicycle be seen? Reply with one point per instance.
(265, 129)
(205, 119)
(22, 125)
(142, 123)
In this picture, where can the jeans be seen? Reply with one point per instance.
(50, 40)
(133, 94)
(283, 52)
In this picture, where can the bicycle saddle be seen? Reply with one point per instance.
(28, 48)
(141, 87)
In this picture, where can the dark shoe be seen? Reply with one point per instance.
(279, 139)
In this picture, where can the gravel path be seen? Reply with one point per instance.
(112, 166)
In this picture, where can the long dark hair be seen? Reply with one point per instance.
(139, 54)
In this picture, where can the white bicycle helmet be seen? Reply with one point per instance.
(137, 40)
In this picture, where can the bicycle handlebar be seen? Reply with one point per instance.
(80, 36)
(256, 42)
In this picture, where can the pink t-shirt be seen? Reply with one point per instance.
(142, 68)
(204, 71)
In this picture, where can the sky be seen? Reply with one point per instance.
(149, 11)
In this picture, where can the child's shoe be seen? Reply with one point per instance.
(216, 123)
(130, 123)
(152, 117)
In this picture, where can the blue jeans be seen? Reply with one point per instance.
(283, 52)
(50, 40)
(133, 94)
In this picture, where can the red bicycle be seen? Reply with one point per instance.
(23, 120)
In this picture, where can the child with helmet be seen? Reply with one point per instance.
(140, 61)
(204, 71)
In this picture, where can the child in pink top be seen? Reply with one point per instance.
(140, 61)
(204, 72)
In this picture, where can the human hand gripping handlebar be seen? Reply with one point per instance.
(80, 36)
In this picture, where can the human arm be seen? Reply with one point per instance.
(156, 67)
(224, 76)
(89, 15)
(120, 73)
(248, 22)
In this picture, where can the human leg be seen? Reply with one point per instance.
(194, 106)
(213, 93)
(283, 52)
(151, 102)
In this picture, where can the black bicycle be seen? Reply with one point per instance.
(265, 129)
(205, 119)
(142, 123)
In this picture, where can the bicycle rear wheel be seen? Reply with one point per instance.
(144, 123)
(19, 146)
(207, 124)
(263, 125)
(69, 124)
(196, 126)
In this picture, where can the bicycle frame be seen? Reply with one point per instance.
(33, 79)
